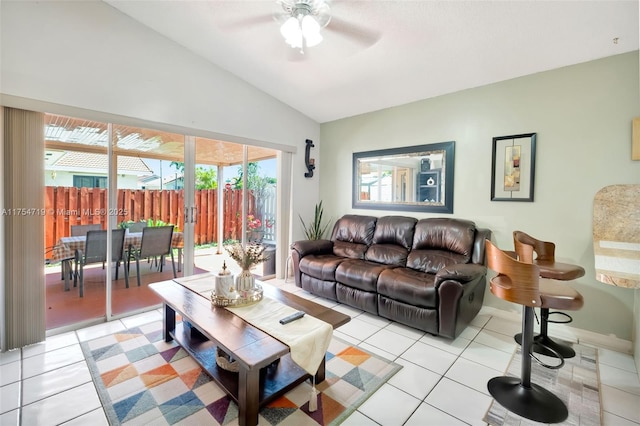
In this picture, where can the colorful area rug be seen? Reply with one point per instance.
(141, 379)
(577, 384)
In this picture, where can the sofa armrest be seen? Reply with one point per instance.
(302, 248)
(482, 234)
(463, 273)
(461, 293)
(305, 247)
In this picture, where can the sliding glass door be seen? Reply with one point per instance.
(150, 199)
(130, 179)
(76, 200)
(224, 212)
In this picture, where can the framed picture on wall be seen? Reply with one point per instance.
(513, 166)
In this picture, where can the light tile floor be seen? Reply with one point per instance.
(442, 382)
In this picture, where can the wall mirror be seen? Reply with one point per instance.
(412, 178)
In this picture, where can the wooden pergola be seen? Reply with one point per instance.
(74, 134)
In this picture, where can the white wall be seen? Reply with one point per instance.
(89, 60)
(63, 178)
(582, 116)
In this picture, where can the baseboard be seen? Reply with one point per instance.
(571, 334)
(560, 331)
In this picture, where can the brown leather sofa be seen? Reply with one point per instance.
(429, 274)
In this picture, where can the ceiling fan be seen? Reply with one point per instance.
(302, 23)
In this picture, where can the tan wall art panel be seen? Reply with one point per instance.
(616, 235)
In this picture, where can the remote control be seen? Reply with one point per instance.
(292, 317)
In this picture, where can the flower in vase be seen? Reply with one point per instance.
(248, 256)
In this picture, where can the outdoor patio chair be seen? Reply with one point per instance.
(156, 243)
(80, 230)
(137, 226)
(76, 231)
(95, 251)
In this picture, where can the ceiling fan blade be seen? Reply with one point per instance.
(248, 22)
(358, 33)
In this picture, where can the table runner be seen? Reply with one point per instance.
(308, 337)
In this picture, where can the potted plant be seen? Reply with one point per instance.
(316, 229)
(255, 233)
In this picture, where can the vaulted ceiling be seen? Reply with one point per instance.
(379, 54)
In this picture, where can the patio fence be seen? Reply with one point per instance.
(67, 206)
(268, 208)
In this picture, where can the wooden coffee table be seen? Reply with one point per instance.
(260, 378)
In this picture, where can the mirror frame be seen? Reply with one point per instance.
(449, 161)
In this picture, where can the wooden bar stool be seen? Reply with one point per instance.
(520, 283)
(525, 247)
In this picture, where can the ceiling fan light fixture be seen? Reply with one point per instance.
(305, 20)
(309, 25)
(313, 40)
(292, 32)
(295, 42)
(311, 31)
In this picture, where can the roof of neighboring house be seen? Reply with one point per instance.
(81, 161)
(155, 179)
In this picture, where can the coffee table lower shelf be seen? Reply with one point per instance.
(275, 379)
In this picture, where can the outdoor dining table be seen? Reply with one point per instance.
(65, 249)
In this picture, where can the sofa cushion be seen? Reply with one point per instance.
(387, 254)
(352, 234)
(396, 230)
(392, 240)
(409, 286)
(321, 266)
(360, 274)
(431, 261)
(452, 235)
(349, 250)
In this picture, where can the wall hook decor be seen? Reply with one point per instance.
(309, 162)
